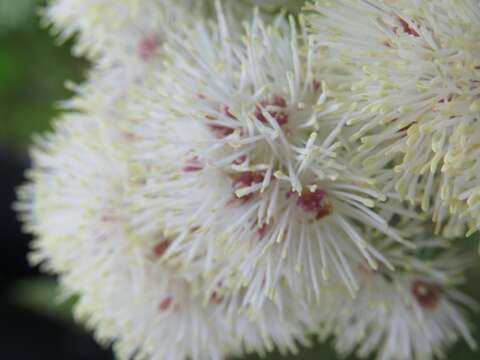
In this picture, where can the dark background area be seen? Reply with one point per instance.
(33, 70)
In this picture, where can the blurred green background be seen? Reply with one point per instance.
(33, 70)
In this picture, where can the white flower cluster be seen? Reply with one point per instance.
(237, 176)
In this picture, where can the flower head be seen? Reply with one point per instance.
(415, 314)
(111, 31)
(415, 76)
(242, 154)
(75, 205)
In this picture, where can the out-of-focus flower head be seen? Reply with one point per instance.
(416, 312)
(76, 207)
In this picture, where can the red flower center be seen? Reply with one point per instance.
(193, 165)
(262, 231)
(165, 304)
(427, 294)
(407, 28)
(148, 47)
(160, 249)
(315, 202)
(222, 131)
(247, 179)
(280, 114)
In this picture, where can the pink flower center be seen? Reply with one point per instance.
(107, 218)
(280, 114)
(227, 112)
(148, 47)
(240, 160)
(316, 85)
(193, 165)
(427, 294)
(262, 230)
(165, 304)
(247, 179)
(222, 131)
(315, 202)
(160, 249)
(407, 28)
